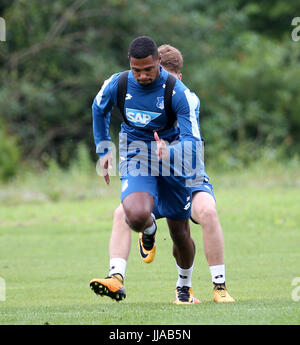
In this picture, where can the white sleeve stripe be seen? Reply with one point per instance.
(193, 104)
(100, 93)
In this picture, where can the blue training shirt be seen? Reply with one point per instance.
(144, 110)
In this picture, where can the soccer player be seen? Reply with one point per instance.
(145, 196)
(203, 212)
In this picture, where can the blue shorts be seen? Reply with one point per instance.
(172, 199)
(204, 187)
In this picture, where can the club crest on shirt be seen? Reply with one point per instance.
(160, 103)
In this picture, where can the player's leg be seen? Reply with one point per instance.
(138, 218)
(138, 208)
(204, 212)
(119, 248)
(120, 240)
(137, 196)
(174, 204)
(184, 254)
(183, 244)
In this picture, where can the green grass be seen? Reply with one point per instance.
(50, 247)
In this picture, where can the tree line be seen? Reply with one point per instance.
(239, 58)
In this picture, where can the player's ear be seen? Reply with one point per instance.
(179, 76)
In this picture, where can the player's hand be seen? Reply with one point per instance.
(105, 164)
(162, 151)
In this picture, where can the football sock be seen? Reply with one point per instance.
(117, 266)
(184, 276)
(217, 274)
(152, 228)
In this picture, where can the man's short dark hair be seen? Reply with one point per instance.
(141, 47)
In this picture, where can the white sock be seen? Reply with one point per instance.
(117, 266)
(152, 228)
(184, 276)
(217, 274)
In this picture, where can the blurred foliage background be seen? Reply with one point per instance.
(239, 58)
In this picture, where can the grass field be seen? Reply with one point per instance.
(54, 233)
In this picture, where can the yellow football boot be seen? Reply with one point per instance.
(147, 247)
(184, 295)
(110, 286)
(221, 294)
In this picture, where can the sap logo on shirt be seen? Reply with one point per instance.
(140, 118)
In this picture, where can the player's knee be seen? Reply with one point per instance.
(119, 213)
(137, 219)
(205, 215)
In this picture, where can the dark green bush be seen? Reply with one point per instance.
(9, 156)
